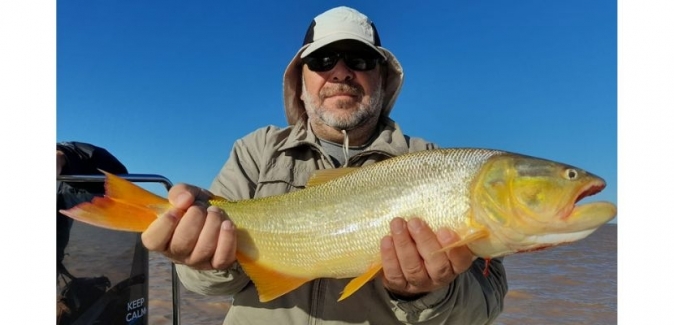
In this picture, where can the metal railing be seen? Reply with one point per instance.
(139, 178)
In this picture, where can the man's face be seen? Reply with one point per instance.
(342, 97)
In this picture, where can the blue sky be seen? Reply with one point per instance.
(168, 86)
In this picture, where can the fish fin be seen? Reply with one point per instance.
(270, 283)
(485, 272)
(125, 207)
(360, 281)
(122, 190)
(473, 236)
(326, 175)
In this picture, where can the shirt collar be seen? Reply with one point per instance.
(390, 138)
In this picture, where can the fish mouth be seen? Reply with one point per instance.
(589, 215)
(591, 189)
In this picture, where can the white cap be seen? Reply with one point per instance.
(338, 24)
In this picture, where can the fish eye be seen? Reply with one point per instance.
(571, 174)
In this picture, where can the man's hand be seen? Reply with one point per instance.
(411, 263)
(192, 233)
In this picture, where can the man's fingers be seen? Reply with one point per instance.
(225, 251)
(182, 196)
(411, 263)
(437, 265)
(193, 233)
(187, 232)
(157, 236)
(390, 265)
(461, 257)
(208, 237)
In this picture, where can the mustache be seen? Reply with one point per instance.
(342, 88)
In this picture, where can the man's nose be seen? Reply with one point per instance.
(341, 72)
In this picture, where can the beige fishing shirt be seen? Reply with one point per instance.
(275, 160)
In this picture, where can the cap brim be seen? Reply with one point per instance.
(338, 37)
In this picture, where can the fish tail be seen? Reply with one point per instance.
(125, 206)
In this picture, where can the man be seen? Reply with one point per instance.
(339, 90)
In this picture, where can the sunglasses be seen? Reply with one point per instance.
(357, 61)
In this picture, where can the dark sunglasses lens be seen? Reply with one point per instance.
(322, 62)
(359, 63)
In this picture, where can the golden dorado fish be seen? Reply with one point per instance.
(499, 203)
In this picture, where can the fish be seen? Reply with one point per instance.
(498, 202)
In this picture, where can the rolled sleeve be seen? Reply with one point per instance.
(213, 283)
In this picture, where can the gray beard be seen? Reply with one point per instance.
(366, 111)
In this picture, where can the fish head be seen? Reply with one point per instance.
(531, 203)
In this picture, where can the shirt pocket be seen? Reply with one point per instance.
(282, 176)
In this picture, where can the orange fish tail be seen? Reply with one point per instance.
(126, 207)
